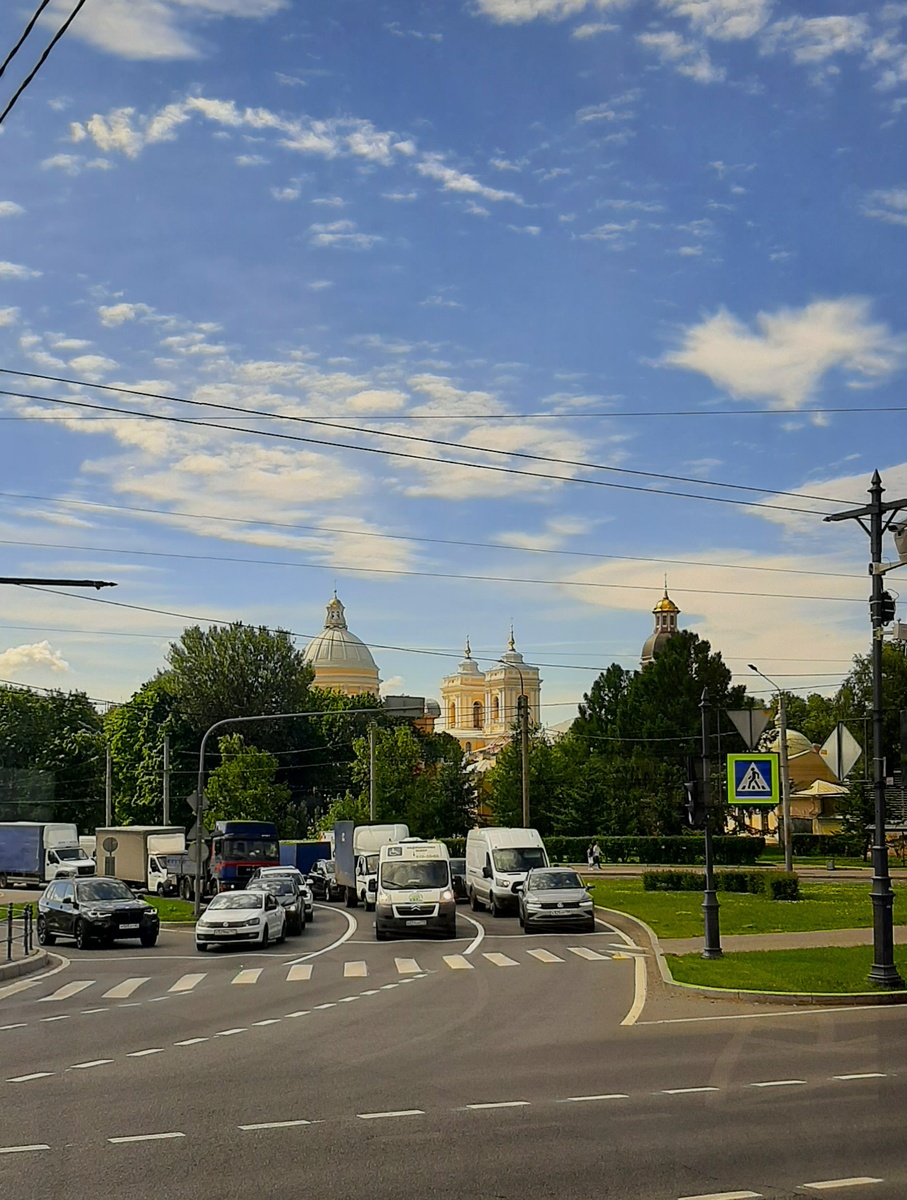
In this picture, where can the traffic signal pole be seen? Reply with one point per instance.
(712, 942)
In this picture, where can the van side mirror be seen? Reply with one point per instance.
(373, 885)
(486, 872)
(518, 887)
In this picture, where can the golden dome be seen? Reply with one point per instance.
(666, 604)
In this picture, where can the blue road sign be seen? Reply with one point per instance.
(753, 780)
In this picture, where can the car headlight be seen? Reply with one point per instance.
(252, 921)
(384, 898)
(447, 895)
(502, 882)
(533, 904)
(95, 914)
(585, 903)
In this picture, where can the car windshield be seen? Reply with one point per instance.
(400, 876)
(277, 887)
(458, 866)
(250, 848)
(540, 881)
(371, 864)
(516, 859)
(237, 900)
(70, 852)
(327, 866)
(103, 889)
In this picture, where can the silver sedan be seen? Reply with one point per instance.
(555, 896)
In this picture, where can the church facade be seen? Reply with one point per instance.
(666, 613)
(479, 708)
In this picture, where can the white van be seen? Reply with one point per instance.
(496, 859)
(414, 890)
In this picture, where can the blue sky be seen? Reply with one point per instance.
(661, 236)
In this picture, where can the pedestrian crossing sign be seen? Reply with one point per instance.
(753, 780)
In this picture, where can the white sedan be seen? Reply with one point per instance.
(241, 917)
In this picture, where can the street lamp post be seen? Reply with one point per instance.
(200, 789)
(785, 776)
(881, 518)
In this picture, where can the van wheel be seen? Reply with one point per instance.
(381, 935)
(496, 910)
(4, 881)
(474, 902)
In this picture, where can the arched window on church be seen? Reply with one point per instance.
(477, 715)
(452, 715)
(496, 708)
(468, 747)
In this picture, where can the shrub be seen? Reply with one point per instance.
(826, 845)
(673, 881)
(779, 885)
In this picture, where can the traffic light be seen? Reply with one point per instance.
(694, 801)
(887, 607)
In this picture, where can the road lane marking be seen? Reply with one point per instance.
(87, 1012)
(457, 962)
(95, 1062)
(501, 1104)
(230, 1032)
(145, 1137)
(865, 1075)
(187, 982)
(23, 985)
(330, 1004)
(302, 1013)
(501, 960)
(407, 966)
(273, 1125)
(583, 1099)
(779, 1083)
(248, 976)
(29, 1078)
(400, 1112)
(480, 934)
(545, 956)
(385, 987)
(684, 1091)
(370, 992)
(725, 1196)
(22, 1149)
(145, 1053)
(640, 987)
(20, 1025)
(348, 999)
(855, 1181)
(355, 970)
(124, 989)
(62, 1017)
(585, 952)
(192, 1041)
(301, 971)
(344, 937)
(270, 1021)
(67, 990)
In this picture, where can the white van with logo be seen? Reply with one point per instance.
(414, 890)
(496, 859)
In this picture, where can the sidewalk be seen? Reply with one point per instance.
(781, 941)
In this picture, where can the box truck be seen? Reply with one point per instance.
(137, 855)
(356, 849)
(303, 855)
(36, 852)
(232, 855)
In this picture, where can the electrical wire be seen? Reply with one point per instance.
(41, 61)
(28, 28)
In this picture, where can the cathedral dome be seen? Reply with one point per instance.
(341, 660)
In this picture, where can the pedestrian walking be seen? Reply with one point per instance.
(589, 855)
(596, 856)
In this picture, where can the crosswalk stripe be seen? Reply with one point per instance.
(124, 989)
(545, 956)
(457, 962)
(585, 952)
(407, 966)
(188, 982)
(300, 971)
(501, 960)
(355, 970)
(249, 976)
(69, 989)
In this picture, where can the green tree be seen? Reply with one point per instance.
(244, 787)
(51, 757)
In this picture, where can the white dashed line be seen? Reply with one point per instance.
(779, 1083)
(248, 976)
(124, 989)
(29, 1078)
(457, 962)
(725, 1196)
(386, 987)
(95, 1062)
(585, 952)
(62, 1017)
(827, 1184)
(21, 1025)
(145, 1053)
(400, 1112)
(301, 971)
(270, 1021)
(407, 966)
(302, 1013)
(348, 999)
(22, 1149)
(501, 1104)
(370, 992)
(273, 1125)
(144, 1137)
(684, 1091)
(68, 989)
(501, 960)
(583, 1099)
(545, 956)
(330, 1004)
(192, 1041)
(187, 983)
(230, 1032)
(355, 970)
(866, 1075)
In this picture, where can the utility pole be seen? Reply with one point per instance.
(712, 941)
(108, 791)
(372, 807)
(523, 710)
(881, 611)
(785, 784)
(166, 779)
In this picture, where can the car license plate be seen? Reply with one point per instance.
(417, 922)
(220, 932)
(129, 926)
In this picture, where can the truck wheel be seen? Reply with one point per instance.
(352, 900)
(45, 937)
(160, 889)
(83, 941)
(4, 881)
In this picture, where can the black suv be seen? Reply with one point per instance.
(323, 881)
(97, 909)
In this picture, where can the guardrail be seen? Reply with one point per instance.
(19, 927)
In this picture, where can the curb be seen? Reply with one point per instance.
(25, 966)
(814, 999)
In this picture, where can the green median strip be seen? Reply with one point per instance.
(172, 910)
(826, 970)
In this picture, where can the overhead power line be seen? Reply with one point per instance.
(28, 28)
(41, 61)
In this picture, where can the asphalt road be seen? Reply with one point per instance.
(499, 1065)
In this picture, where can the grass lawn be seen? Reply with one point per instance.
(172, 910)
(826, 969)
(679, 914)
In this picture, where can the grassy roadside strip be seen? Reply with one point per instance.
(824, 905)
(822, 970)
(172, 910)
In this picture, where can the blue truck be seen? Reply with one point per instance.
(35, 852)
(303, 855)
(231, 855)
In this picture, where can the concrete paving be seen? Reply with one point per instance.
(782, 941)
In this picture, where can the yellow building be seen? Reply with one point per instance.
(479, 708)
(666, 614)
(342, 661)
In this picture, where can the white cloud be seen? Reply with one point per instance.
(116, 314)
(10, 270)
(689, 58)
(592, 29)
(724, 20)
(518, 12)
(813, 40)
(250, 160)
(887, 205)
(785, 358)
(36, 656)
(9, 208)
(392, 686)
(432, 166)
(343, 235)
(8, 316)
(92, 365)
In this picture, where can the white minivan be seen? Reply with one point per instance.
(496, 859)
(414, 892)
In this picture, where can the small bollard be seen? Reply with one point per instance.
(831, 865)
